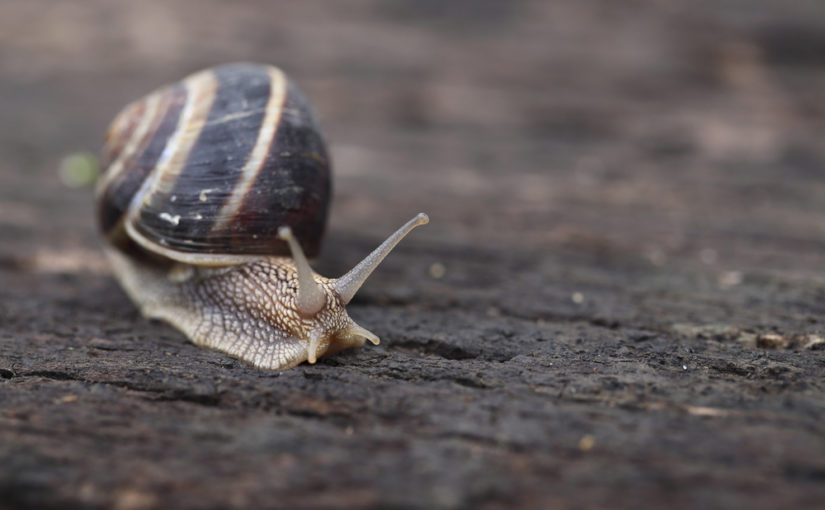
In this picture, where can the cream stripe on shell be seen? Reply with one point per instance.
(257, 158)
(151, 110)
(201, 89)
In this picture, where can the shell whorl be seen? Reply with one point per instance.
(204, 171)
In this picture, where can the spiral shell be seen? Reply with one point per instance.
(205, 170)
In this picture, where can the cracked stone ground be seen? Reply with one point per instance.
(619, 301)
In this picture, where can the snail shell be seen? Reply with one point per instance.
(209, 184)
(213, 165)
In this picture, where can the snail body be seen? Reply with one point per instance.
(209, 184)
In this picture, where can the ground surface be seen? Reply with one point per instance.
(627, 201)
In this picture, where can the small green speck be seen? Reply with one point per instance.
(79, 170)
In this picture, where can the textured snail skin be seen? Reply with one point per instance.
(208, 183)
(247, 311)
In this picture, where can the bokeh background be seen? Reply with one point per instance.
(618, 302)
(661, 125)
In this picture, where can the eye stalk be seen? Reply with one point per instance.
(347, 285)
(311, 297)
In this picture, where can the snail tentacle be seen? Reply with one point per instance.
(347, 285)
(310, 298)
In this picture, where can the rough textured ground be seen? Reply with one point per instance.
(628, 202)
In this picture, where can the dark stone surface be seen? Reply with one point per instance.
(628, 202)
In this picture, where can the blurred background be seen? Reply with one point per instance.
(622, 285)
(651, 126)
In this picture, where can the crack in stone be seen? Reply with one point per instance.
(164, 394)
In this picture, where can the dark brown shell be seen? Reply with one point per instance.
(207, 169)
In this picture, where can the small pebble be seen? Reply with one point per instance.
(771, 341)
(587, 442)
(656, 256)
(814, 342)
(730, 279)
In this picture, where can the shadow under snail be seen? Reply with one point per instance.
(209, 184)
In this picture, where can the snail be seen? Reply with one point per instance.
(209, 185)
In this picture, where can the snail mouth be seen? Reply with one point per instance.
(352, 335)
